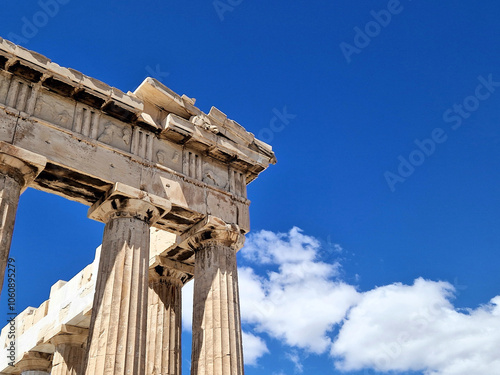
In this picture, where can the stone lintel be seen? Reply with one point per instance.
(124, 200)
(21, 164)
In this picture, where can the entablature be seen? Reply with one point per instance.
(152, 107)
(94, 135)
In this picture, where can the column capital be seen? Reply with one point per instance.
(209, 230)
(20, 164)
(214, 231)
(35, 361)
(66, 334)
(164, 270)
(126, 201)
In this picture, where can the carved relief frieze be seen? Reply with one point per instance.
(112, 132)
(215, 175)
(167, 154)
(53, 109)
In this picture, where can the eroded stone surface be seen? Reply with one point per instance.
(217, 345)
(65, 312)
(164, 330)
(117, 341)
(69, 351)
(65, 317)
(18, 168)
(142, 159)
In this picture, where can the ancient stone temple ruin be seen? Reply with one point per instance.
(168, 181)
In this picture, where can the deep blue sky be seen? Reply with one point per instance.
(351, 122)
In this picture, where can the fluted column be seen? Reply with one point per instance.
(18, 168)
(163, 355)
(117, 335)
(217, 343)
(34, 363)
(70, 350)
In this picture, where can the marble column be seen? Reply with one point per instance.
(217, 343)
(117, 335)
(34, 363)
(18, 168)
(69, 355)
(164, 329)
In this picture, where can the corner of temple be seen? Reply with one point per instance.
(126, 201)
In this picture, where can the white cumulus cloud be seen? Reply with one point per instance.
(400, 328)
(289, 294)
(302, 300)
(254, 347)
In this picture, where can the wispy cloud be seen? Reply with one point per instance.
(295, 359)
